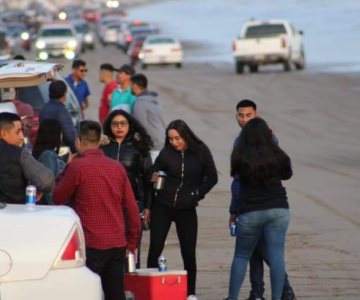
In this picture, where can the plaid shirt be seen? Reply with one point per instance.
(98, 189)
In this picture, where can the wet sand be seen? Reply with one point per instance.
(316, 118)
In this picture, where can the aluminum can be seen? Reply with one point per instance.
(30, 197)
(161, 181)
(233, 229)
(131, 262)
(162, 263)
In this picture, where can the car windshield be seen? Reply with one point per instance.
(161, 41)
(58, 32)
(265, 30)
(82, 28)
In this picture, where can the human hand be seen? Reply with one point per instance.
(147, 216)
(232, 219)
(155, 177)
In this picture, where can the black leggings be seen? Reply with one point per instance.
(186, 227)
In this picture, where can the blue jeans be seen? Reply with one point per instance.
(256, 264)
(272, 225)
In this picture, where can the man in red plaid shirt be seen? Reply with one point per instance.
(98, 189)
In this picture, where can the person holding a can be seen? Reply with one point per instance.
(130, 144)
(17, 166)
(263, 210)
(187, 172)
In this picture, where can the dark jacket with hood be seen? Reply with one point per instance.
(190, 176)
(138, 167)
(148, 111)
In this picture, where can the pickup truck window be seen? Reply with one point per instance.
(265, 30)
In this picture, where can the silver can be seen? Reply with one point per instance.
(30, 197)
(131, 262)
(162, 263)
(159, 184)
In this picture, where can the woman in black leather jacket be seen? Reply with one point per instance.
(191, 174)
(130, 144)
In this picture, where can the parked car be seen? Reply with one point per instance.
(32, 80)
(57, 40)
(19, 34)
(134, 48)
(268, 42)
(42, 255)
(85, 34)
(110, 33)
(158, 50)
(129, 30)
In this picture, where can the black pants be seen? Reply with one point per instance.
(109, 265)
(186, 228)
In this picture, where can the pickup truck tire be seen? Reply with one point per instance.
(300, 65)
(287, 66)
(239, 67)
(254, 68)
(144, 66)
(178, 65)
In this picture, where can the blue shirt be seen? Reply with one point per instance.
(81, 89)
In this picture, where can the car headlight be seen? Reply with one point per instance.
(89, 38)
(40, 44)
(62, 15)
(25, 36)
(72, 44)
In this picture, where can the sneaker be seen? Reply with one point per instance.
(192, 297)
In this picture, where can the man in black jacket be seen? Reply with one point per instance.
(18, 168)
(55, 109)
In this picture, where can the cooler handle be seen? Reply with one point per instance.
(173, 281)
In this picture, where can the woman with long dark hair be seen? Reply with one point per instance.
(46, 150)
(190, 175)
(130, 144)
(263, 208)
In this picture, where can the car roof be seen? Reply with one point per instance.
(26, 73)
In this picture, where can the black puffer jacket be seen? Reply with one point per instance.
(138, 167)
(190, 176)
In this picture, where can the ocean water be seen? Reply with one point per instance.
(331, 27)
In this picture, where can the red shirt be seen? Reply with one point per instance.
(102, 196)
(105, 100)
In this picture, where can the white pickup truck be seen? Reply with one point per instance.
(268, 42)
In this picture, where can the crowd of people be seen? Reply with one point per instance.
(110, 182)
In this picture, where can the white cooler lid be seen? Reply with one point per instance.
(156, 272)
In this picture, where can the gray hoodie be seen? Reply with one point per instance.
(148, 111)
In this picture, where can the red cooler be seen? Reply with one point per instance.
(150, 284)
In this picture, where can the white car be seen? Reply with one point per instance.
(42, 255)
(58, 40)
(158, 50)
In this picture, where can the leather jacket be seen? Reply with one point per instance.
(138, 166)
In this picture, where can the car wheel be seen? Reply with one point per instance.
(287, 66)
(179, 65)
(254, 68)
(300, 65)
(144, 66)
(239, 67)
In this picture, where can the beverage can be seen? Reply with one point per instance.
(131, 262)
(30, 197)
(233, 229)
(162, 263)
(159, 184)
